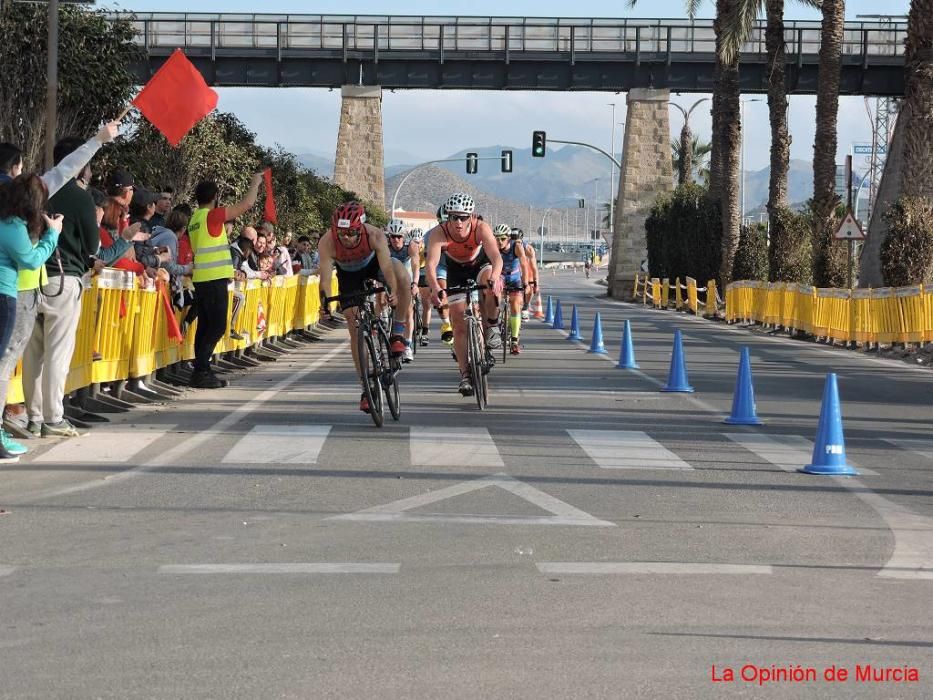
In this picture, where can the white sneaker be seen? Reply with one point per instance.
(493, 338)
(525, 315)
(408, 355)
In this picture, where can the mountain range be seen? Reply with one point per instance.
(562, 176)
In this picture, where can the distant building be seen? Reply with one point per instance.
(425, 220)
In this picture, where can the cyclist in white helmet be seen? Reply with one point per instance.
(472, 254)
(443, 310)
(407, 253)
(531, 271)
(514, 273)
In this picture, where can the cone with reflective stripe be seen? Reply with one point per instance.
(829, 449)
(574, 326)
(549, 314)
(558, 318)
(743, 400)
(539, 312)
(596, 345)
(627, 353)
(677, 377)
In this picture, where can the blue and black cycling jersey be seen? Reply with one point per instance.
(511, 265)
(402, 255)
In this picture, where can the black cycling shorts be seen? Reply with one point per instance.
(459, 274)
(351, 281)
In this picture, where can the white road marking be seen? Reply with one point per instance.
(118, 445)
(297, 568)
(279, 444)
(626, 449)
(455, 447)
(788, 452)
(200, 438)
(6, 570)
(924, 448)
(647, 567)
(563, 513)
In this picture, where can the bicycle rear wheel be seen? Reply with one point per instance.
(369, 371)
(388, 375)
(476, 363)
(504, 326)
(416, 325)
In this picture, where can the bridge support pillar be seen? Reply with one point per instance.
(646, 173)
(360, 162)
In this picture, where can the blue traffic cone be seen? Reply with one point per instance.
(574, 326)
(829, 450)
(677, 377)
(743, 400)
(597, 343)
(627, 352)
(549, 314)
(558, 323)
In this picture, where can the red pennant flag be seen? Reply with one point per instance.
(176, 98)
(270, 214)
(171, 323)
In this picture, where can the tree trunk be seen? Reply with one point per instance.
(917, 175)
(685, 167)
(778, 252)
(730, 139)
(716, 109)
(829, 264)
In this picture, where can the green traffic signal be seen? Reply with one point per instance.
(538, 144)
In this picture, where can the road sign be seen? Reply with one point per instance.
(849, 229)
(865, 149)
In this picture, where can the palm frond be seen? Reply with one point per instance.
(737, 26)
(693, 7)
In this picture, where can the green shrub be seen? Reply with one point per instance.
(790, 253)
(907, 250)
(683, 235)
(751, 256)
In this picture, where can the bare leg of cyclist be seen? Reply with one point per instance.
(490, 308)
(401, 326)
(425, 295)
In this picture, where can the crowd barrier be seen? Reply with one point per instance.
(687, 297)
(868, 316)
(125, 331)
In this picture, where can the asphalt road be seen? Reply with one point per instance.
(586, 537)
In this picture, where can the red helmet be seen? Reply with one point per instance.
(349, 215)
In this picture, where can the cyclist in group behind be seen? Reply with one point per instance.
(360, 252)
(531, 271)
(514, 271)
(472, 254)
(406, 252)
(443, 310)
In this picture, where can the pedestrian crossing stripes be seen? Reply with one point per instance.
(283, 568)
(6, 570)
(647, 567)
(279, 444)
(924, 448)
(787, 452)
(626, 449)
(116, 445)
(457, 447)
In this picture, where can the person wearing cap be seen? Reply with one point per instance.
(213, 269)
(143, 207)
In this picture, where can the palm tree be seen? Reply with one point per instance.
(829, 264)
(684, 163)
(697, 155)
(917, 171)
(727, 136)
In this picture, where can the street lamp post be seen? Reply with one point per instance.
(612, 174)
(742, 153)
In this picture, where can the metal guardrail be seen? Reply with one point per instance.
(499, 35)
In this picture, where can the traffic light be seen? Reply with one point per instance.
(472, 163)
(506, 161)
(538, 144)
(581, 204)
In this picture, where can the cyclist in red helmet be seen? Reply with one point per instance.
(361, 252)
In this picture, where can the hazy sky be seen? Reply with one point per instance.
(421, 125)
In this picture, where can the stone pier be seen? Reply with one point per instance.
(360, 162)
(646, 173)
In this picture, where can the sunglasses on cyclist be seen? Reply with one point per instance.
(459, 217)
(396, 235)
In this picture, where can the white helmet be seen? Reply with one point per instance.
(460, 203)
(395, 227)
(502, 231)
(416, 234)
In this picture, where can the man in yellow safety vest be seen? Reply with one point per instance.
(213, 270)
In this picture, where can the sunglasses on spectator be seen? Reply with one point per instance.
(459, 217)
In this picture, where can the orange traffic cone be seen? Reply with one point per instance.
(539, 311)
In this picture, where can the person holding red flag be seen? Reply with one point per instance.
(213, 270)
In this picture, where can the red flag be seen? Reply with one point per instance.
(171, 323)
(176, 98)
(270, 214)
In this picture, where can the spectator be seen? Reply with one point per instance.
(163, 207)
(47, 358)
(165, 240)
(213, 269)
(303, 257)
(265, 263)
(249, 265)
(143, 207)
(116, 249)
(27, 238)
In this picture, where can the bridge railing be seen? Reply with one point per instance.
(490, 34)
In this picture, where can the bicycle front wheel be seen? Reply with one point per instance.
(476, 363)
(504, 328)
(388, 375)
(369, 373)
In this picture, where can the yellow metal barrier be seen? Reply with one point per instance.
(692, 302)
(143, 359)
(928, 313)
(678, 297)
(665, 294)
